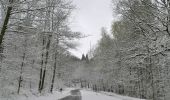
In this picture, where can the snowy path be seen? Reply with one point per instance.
(75, 95)
(90, 95)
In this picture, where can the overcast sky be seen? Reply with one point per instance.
(88, 18)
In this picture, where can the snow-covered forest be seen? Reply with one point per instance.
(132, 59)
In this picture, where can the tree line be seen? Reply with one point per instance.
(35, 38)
(134, 59)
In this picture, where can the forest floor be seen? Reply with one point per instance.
(74, 94)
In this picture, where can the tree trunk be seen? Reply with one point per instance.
(5, 23)
(43, 79)
(33, 61)
(46, 61)
(21, 71)
(41, 70)
(1, 56)
(151, 74)
(54, 72)
(168, 17)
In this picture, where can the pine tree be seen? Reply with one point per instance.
(83, 57)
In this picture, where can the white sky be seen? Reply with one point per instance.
(88, 18)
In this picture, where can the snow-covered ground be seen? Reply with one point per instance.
(54, 96)
(86, 95)
(90, 95)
